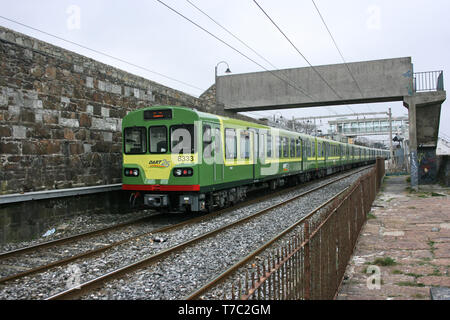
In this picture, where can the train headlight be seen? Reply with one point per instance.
(183, 172)
(131, 172)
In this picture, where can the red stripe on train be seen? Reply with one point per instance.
(157, 187)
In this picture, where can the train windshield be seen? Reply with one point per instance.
(135, 140)
(158, 139)
(182, 139)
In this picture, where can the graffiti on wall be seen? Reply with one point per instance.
(427, 165)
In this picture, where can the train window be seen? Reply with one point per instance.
(182, 139)
(319, 149)
(158, 139)
(269, 145)
(313, 148)
(230, 144)
(299, 148)
(207, 141)
(285, 147)
(135, 140)
(292, 147)
(245, 145)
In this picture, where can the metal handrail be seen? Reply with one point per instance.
(428, 81)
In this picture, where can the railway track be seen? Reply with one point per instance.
(61, 244)
(251, 257)
(88, 286)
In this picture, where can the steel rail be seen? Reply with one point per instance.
(94, 252)
(97, 282)
(97, 251)
(251, 256)
(76, 237)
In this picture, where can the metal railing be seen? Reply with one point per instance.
(428, 81)
(311, 265)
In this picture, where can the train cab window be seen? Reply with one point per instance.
(269, 145)
(230, 144)
(292, 147)
(135, 140)
(245, 145)
(285, 147)
(182, 139)
(298, 143)
(158, 139)
(207, 141)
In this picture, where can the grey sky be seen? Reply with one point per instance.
(148, 34)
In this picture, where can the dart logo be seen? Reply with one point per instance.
(159, 163)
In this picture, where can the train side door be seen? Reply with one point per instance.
(218, 154)
(301, 145)
(254, 141)
(207, 167)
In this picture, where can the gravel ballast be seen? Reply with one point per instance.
(183, 272)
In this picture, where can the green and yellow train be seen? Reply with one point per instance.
(179, 159)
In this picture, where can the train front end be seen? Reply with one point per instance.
(160, 159)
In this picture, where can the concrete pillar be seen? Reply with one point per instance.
(424, 118)
(410, 103)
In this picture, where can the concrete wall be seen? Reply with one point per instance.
(61, 115)
(29, 220)
(428, 116)
(379, 80)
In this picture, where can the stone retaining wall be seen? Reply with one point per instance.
(61, 115)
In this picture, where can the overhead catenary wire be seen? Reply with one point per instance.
(238, 39)
(232, 34)
(103, 53)
(340, 52)
(234, 49)
(299, 52)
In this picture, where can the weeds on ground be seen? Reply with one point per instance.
(384, 262)
(371, 216)
(409, 284)
(434, 194)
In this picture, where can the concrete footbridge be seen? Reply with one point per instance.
(352, 83)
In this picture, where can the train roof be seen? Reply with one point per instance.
(212, 117)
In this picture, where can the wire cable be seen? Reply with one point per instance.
(230, 33)
(295, 47)
(340, 52)
(242, 42)
(102, 53)
(234, 49)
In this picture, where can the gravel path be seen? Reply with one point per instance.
(180, 273)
